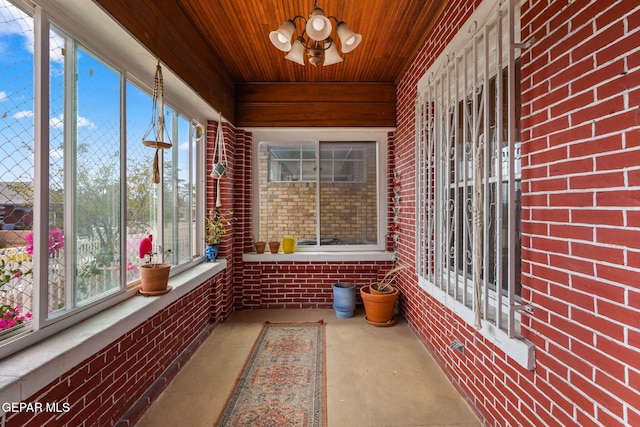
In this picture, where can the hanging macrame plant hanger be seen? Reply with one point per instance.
(157, 127)
(219, 161)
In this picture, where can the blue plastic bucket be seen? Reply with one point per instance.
(344, 299)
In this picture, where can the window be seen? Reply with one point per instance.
(84, 175)
(16, 169)
(292, 163)
(323, 193)
(75, 180)
(468, 181)
(339, 162)
(343, 162)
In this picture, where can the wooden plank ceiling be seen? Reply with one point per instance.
(221, 48)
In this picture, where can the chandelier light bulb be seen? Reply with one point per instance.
(315, 41)
(318, 24)
(281, 38)
(348, 38)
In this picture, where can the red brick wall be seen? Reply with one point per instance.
(287, 284)
(226, 184)
(580, 128)
(222, 298)
(112, 383)
(581, 226)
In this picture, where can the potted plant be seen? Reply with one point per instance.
(215, 228)
(380, 299)
(260, 247)
(154, 276)
(274, 247)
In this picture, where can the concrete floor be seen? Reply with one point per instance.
(375, 376)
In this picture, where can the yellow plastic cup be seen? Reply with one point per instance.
(288, 245)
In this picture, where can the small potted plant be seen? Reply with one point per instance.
(215, 227)
(154, 276)
(260, 247)
(380, 299)
(274, 246)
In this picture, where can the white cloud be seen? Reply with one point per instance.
(3, 95)
(58, 122)
(16, 22)
(85, 123)
(22, 115)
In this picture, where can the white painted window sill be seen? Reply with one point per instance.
(26, 372)
(309, 256)
(520, 349)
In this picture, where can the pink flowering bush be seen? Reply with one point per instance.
(56, 241)
(6, 274)
(11, 316)
(131, 267)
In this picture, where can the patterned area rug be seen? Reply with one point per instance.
(283, 381)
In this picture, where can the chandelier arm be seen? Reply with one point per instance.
(301, 17)
(308, 43)
(304, 28)
(327, 43)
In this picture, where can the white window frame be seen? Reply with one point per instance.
(315, 136)
(90, 26)
(357, 164)
(456, 85)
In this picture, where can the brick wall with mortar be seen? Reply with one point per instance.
(227, 184)
(580, 223)
(119, 382)
(286, 284)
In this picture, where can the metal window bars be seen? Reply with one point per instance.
(467, 155)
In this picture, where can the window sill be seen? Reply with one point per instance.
(520, 349)
(27, 371)
(319, 256)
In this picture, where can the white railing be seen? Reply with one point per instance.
(17, 291)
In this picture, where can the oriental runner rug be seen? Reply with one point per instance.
(283, 382)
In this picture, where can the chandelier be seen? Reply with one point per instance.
(315, 40)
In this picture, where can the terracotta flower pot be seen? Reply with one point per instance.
(154, 279)
(379, 307)
(388, 290)
(260, 247)
(274, 247)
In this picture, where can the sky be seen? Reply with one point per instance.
(98, 103)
